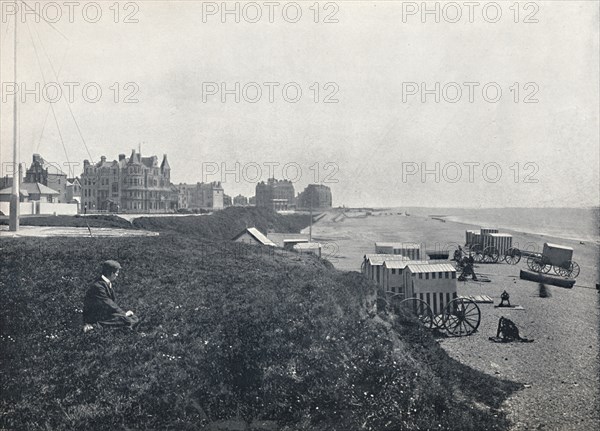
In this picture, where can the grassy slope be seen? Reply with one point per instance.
(224, 225)
(221, 225)
(226, 334)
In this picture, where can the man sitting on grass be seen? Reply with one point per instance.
(99, 305)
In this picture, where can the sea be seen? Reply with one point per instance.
(580, 224)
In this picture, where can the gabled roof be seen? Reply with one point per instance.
(134, 159)
(380, 258)
(38, 188)
(52, 168)
(150, 162)
(8, 191)
(257, 235)
(107, 164)
(401, 264)
(435, 267)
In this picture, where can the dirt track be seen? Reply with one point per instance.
(48, 231)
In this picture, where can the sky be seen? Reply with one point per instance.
(348, 101)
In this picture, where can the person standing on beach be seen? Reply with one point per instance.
(99, 306)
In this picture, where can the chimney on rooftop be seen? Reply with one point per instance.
(121, 157)
(103, 159)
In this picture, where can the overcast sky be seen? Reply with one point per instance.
(372, 145)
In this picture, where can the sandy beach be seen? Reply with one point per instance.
(559, 370)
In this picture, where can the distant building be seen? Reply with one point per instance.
(275, 194)
(48, 174)
(201, 196)
(252, 235)
(315, 196)
(6, 193)
(73, 190)
(240, 201)
(5, 182)
(227, 201)
(136, 184)
(31, 192)
(252, 200)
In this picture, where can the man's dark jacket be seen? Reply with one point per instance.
(99, 306)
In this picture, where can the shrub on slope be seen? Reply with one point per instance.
(252, 335)
(225, 224)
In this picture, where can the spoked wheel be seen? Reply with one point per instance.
(537, 264)
(512, 256)
(491, 255)
(461, 317)
(567, 269)
(420, 309)
(477, 253)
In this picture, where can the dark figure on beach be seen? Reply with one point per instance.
(458, 254)
(468, 263)
(504, 297)
(85, 209)
(507, 332)
(99, 306)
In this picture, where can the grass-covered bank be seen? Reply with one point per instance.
(220, 225)
(225, 224)
(251, 335)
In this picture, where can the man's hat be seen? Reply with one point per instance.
(109, 266)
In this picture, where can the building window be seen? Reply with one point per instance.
(393, 271)
(447, 274)
(454, 275)
(433, 275)
(426, 276)
(420, 276)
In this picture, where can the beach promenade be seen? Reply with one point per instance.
(558, 371)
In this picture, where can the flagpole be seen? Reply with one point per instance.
(311, 219)
(14, 196)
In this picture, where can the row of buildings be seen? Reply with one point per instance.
(137, 184)
(280, 195)
(43, 182)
